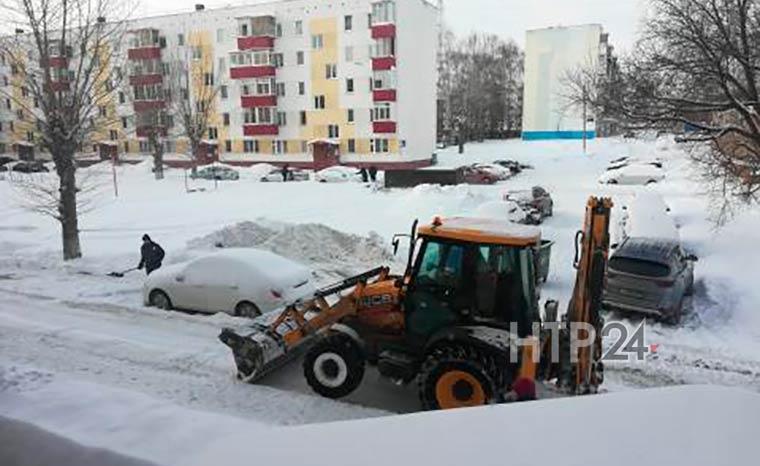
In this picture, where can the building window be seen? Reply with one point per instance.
(223, 92)
(213, 133)
(303, 118)
(103, 111)
(349, 85)
(8, 104)
(222, 66)
(122, 98)
(113, 134)
(259, 116)
(228, 145)
(197, 53)
(299, 27)
(126, 146)
(319, 102)
(349, 53)
(331, 71)
(278, 30)
(350, 115)
(317, 41)
(144, 146)
(278, 59)
(301, 88)
(279, 147)
(180, 39)
(383, 12)
(124, 122)
(382, 111)
(333, 131)
(299, 57)
(282, 118)
(20, 114)
(385, 47)
(208, 79)
(378, 146)
(220, 35)
(348, 22)
(281, 89)
(244, 30)
(351, 146)
(250, 146)
(226, 119)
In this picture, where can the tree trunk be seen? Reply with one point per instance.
(67, 208)
(158, 157)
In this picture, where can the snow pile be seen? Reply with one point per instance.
(331, 253)
(501, 210)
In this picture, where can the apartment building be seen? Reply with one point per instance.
(549, 55)
(303, 82)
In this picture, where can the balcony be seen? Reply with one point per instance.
(251, 101)
(255, 42)
(384, 127)
(145, 131)
(384, 95)
(144, 53)
(383, 31)
(383, 63)
(261, 130)
(147, 105)
(252, 71)
(146, 79)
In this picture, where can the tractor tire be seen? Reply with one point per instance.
(334, 366)
(454, 377)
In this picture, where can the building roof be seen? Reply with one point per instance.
(483, 230)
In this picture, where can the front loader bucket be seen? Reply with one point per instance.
(259, 353)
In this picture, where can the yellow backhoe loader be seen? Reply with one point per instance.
(463, 320)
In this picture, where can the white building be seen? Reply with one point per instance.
(549, 54)
(301, 82)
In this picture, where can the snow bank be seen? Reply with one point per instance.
(330, 252)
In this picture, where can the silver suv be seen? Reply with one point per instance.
(649, 277)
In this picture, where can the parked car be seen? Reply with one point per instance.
(5, 160)
(216, 172)
(294, 174)
(513, 166)
(636, 174)
(35, 166)
(479, 175)
(338, 174)
(239, 281)
(501, 173)
(626, 161)
(536, 202)
(650, 277)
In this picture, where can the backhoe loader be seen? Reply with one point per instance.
(456, 322)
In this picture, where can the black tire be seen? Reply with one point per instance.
(456, 378)
(159, 299)
(247, 309)
(334, 366)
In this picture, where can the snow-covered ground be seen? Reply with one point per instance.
(80, 356)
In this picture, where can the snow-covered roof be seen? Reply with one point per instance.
(483, 230)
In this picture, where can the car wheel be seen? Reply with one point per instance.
(612, 182)
(247, 309)
(650, 182)
(160, 300)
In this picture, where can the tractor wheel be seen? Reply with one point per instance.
(334, 366)
(455, 378)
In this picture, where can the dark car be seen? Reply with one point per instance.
(513, 165)
(649, 277)
(5, 160)
(30, 167)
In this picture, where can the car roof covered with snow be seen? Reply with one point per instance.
(649, 249)
(483, 230)
(265, 262)
(647, 216)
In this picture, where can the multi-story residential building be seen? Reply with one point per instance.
(299, 82)
(550, 54)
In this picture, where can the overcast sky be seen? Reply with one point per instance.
(507, 18)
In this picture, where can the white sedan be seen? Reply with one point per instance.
(633, 174)
(338, 174)
(239, 281)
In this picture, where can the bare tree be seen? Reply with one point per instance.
(62, 60)
(697, 68)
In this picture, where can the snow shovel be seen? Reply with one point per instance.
(121, 274)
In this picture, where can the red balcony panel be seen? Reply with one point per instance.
(146, 105)
(143, 79)
(382, 31)
(383, 63)
(261, 130)
(255, 42)
(58, 62)
(384, 95)
(144, 131)
(242, 72)
(144, 53)
(250, 101)
(58, 86)
(384, 126)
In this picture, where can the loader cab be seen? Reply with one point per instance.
(472, 272)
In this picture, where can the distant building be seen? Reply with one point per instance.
(549, 54)
(303, 82)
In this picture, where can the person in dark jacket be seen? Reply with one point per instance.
(285, 172)
(364, 175)
(151, 255)
(373, 173)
